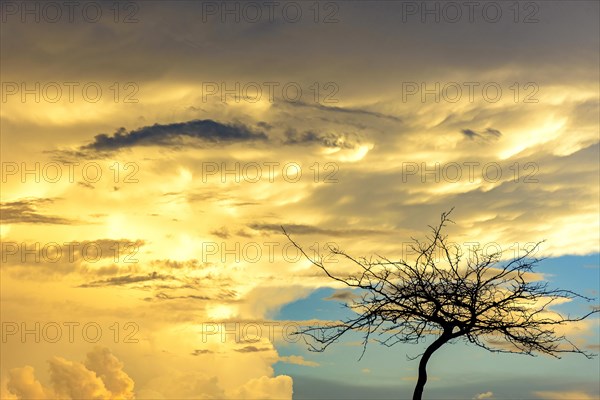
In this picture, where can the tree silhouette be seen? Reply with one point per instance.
(498, 305)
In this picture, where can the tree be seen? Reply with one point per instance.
(501, 306)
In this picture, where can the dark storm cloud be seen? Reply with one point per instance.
(127, 279)
(25, 211)
(486, 134)
(224, 50)
(163, 296)
(301, 229)
(207, 131)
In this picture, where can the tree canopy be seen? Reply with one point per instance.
(499, 305)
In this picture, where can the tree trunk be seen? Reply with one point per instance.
(422, 380)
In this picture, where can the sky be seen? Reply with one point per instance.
(152, 151)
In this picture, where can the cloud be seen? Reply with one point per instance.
(197, 385)
(183, 385)
(343, 141)
(486, 134)
(343, 295)
(193, 264)
(163, 296)
(101, 377)
(25, 211)
(344, 110)
(252, 349)
(127, 279)
(110, 370)
(207, 131)
(302, 229)
(485, 395)
(263, 301)
(74, 381)
(279, 387)
(22, 383)
(222, 232)
(298, 360)
(197, 352)
(564, 395)
(72, 253)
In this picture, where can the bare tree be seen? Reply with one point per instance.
(501, 306)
